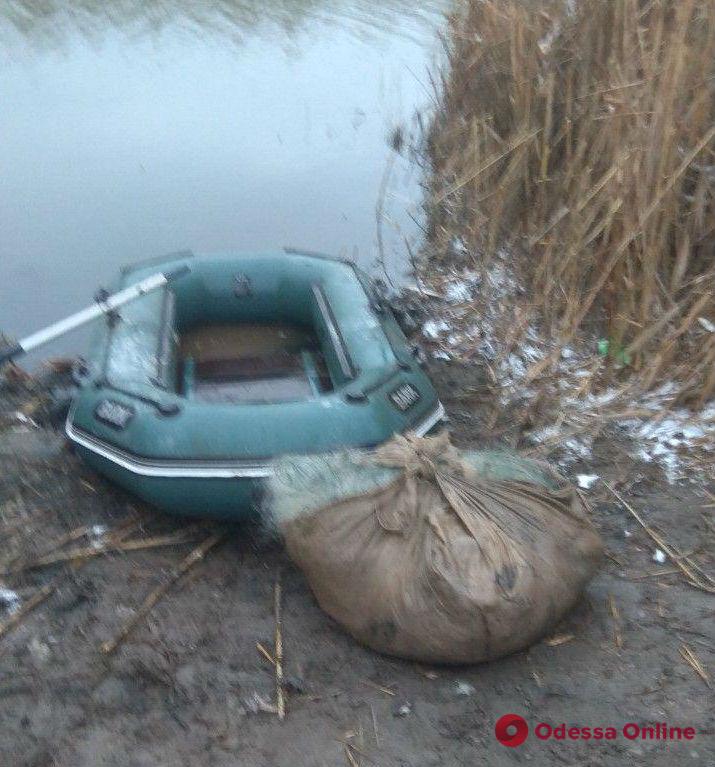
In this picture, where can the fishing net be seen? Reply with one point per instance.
(428, 553)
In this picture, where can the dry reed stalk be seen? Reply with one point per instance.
(261, 649)
(694, 574)
(72, 535)
(374, 726)
(379, 687)
(278, 648)
(558, 639)
(198, 554)
(695, 663)
(581, 140)
(106, 547)
(616, 617)
(348, 753)
(46, 591)
(11, 564)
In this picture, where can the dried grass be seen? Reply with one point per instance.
(580, 139)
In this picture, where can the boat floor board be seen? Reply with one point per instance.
(275, 389)
(221, 342)
(254, 363)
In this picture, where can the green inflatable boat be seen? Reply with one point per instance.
(191, 390)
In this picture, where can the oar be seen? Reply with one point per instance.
(102, 306)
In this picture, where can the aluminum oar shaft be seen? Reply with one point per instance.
(102, 307)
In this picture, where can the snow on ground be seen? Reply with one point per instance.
(476, 315)
(586, 481)
(10, 600)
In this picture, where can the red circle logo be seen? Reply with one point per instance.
(511, 730)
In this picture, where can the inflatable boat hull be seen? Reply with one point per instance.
(142, 420)
(213, 494)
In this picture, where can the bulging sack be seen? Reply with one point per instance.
(425, 553)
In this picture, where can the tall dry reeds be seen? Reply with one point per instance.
(580, 135)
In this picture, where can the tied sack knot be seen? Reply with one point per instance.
(422, 457)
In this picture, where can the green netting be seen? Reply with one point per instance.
(502, 464)
(301, 484)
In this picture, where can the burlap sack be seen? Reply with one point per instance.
(442, 565)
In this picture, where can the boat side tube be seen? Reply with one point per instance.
(139, 424)
(199, 469)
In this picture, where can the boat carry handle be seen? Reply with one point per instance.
(105, 304)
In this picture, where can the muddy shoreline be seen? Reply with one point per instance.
(187, 686)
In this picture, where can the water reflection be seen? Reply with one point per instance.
(52, 22)
(131, 129)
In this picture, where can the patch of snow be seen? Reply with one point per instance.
(545, 433)
(586, 481)
(502, 280)
(464, 689)
(458, 292)
(580, 447)
(485, 329)
(709, 326)
(516, 365)
(441, 355)
(10, 600)
(458, 246)
(666, 440)
(403, 710)
(659, 556)
(434, 328)
(693, 431)
(96, 534)
(644, 455)
(487, 350)
(531, 352)
(593, 401)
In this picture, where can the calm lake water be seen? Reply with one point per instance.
(131, 129)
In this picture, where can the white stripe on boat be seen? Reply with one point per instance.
(215, 470)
